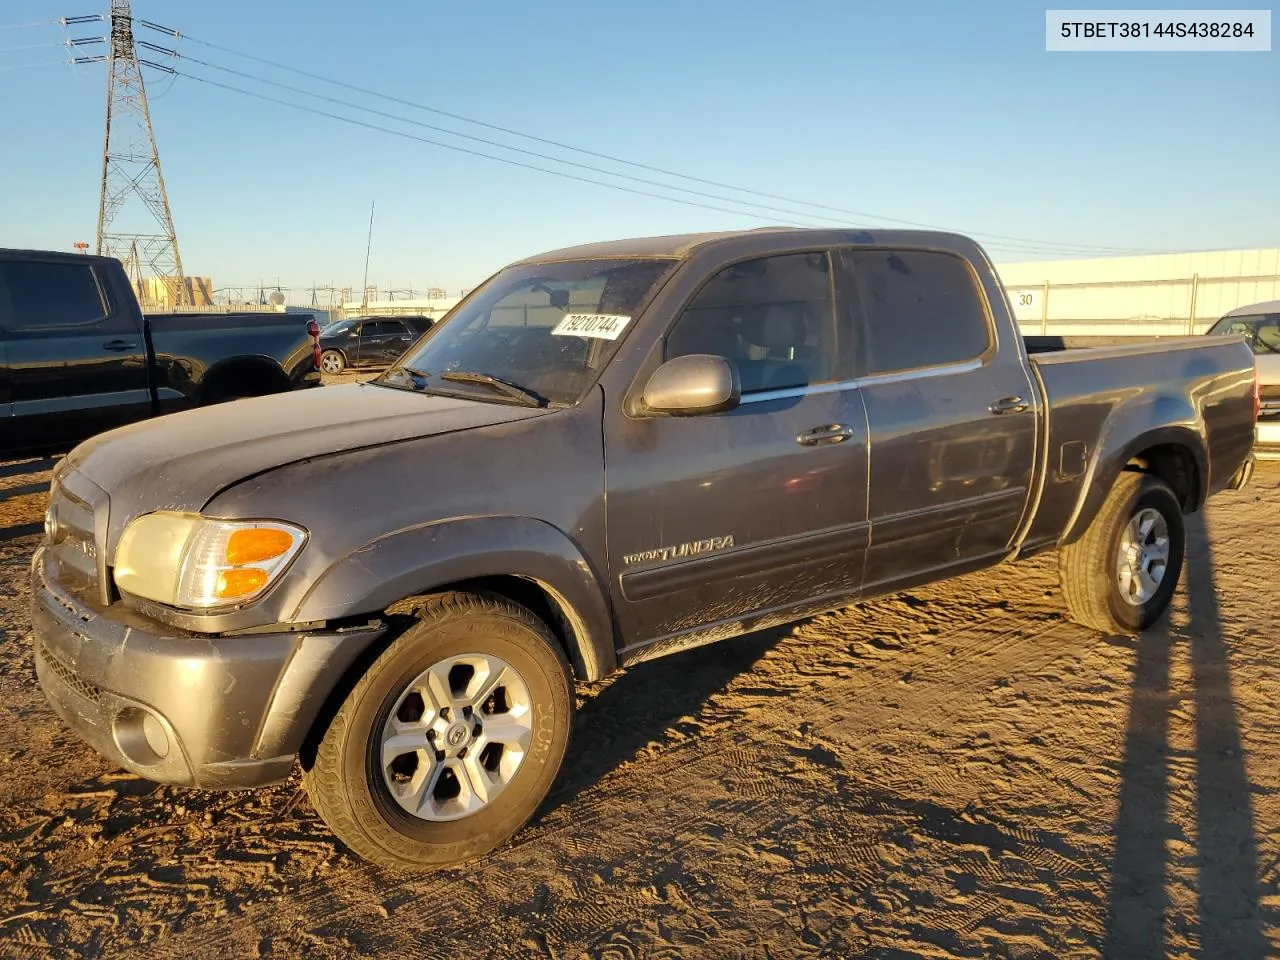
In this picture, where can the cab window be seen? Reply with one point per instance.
(772, 318)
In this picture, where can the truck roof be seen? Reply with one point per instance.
(14, 254)
(681, 245)
(1267, 306)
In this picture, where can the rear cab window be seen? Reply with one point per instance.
(918, 309)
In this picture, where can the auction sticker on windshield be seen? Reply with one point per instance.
(601, 326)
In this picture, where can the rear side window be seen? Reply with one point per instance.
(51, 294)
(772, 318)
(921, 309)
(383, 328)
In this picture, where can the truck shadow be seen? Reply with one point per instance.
(645, 705)
(1140, 915)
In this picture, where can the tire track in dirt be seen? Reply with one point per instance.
(994, 656)
(933, 774)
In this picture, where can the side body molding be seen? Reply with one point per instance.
(422, 558)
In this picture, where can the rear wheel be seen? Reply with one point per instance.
(332, 361)
(1120, 576)
(449, 742)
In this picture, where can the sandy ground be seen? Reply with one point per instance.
(957, 772)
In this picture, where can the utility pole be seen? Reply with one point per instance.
(131, 168)
(364, 302)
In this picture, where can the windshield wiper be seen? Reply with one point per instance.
(512, 390)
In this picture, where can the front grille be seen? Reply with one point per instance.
(68, 676)
(72, 542)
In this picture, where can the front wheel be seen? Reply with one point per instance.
(332, 361)
(1120, 576)
(450, 741)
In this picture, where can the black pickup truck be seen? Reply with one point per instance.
(77, 357)
(602, 455)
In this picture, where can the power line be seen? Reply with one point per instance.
(29, 46)
(455, 147)
(753, 206)
(503, 146)
(33, 23)
(1043, 244)
(38, 63)
(535, 167)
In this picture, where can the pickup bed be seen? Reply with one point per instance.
(77, 357)
(602, 455)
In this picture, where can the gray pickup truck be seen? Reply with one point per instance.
(602, 455)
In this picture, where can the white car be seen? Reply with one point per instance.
(1259, 324)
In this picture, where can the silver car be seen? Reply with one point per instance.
(1259, 324)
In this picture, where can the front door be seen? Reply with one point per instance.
(951, 415)
(716, 517)
(77, 363)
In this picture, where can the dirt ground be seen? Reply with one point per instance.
(956, 772)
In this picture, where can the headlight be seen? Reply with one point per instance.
(186, 560)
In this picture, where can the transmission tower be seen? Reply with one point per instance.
(134, 222)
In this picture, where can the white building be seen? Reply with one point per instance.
(1165, 294)
(433, 307)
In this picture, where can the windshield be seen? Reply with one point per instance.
(337, 327)
(1261, 331)
(543, 330)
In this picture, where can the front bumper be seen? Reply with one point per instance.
(1266, 445)
(189, 709)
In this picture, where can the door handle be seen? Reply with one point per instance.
(118, 345)
(829, 433)
(1009, 405)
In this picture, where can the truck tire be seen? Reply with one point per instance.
(332, 362)
(1120, 576)
(449, 742)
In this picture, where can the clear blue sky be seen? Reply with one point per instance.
(948, 113)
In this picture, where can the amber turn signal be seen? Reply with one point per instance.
(256, 545)
(240, 583)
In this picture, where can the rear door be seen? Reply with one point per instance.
(375, 341)
(761, 508)
(951, 414)
(395, 338)
(77, 361)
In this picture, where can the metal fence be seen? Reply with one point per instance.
(1171, 307)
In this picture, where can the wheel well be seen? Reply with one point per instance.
(528, 593)
(1175, 465)
(246, 378)
(533, 597)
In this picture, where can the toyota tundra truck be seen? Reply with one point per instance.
(602, 455)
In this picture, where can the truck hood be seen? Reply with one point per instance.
(181, 461)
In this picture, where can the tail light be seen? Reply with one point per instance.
(313, 330)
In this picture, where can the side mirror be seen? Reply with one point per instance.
(690, 385)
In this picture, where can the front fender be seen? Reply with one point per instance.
(1135, 426)
(420, 559)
